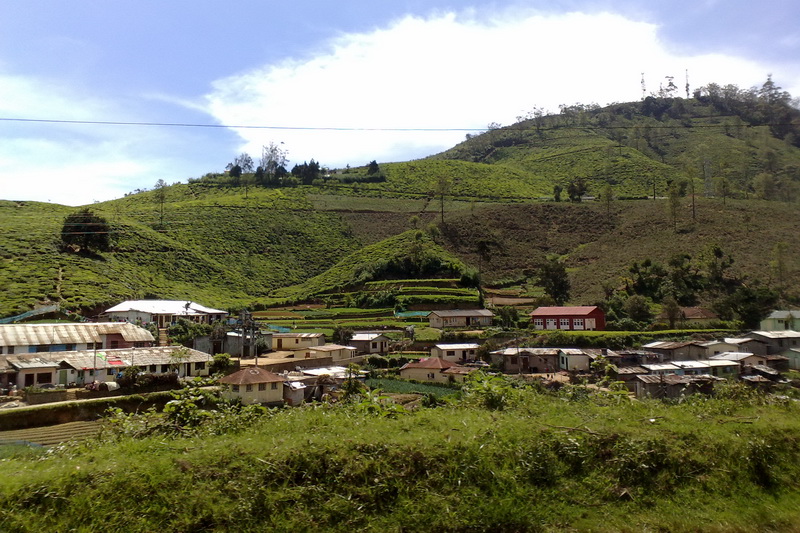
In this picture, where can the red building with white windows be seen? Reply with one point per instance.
(577, 318)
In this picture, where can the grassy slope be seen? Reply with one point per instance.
(545, 465)
(219, 248)
(358, 267)
(229, 247)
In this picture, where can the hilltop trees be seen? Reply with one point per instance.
(87, 231)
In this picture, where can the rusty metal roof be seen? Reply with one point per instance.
(77, 333)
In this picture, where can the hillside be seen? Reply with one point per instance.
(234, 245)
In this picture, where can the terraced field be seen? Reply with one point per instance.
(50, 435)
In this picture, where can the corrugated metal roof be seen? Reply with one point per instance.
(23, 362)
(367, 336)
(78, 333)
(787, 334)
(461, 312)
(436, 363)
(468, 346)
(165, 307)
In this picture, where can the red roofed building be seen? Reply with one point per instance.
(577, 318)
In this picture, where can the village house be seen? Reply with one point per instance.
(672, 385)
(455, 353)
(28, 370)
(254, 385)
(743, 358)
(460, 318)
(777, 341)
(297, 341)
(573, 360)
(781, 321)
(369, 343)
(730, 344)
(336, 352)
(433, 369)
(38, 338)
(163, 313)
(518, 360)
(793, 356)
(670, 351)
(576, 318)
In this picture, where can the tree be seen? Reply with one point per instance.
(607, 197)
(554, 280)
(672, 309)
(87, 231)
(557, 192)
(637, 308)
(508, 316)
(778, 263)
(674, 204)
(342, 335)
(576, 189)
(245, 162)
(373, 168)
(273, 164)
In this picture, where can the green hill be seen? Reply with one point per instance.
(231, 246)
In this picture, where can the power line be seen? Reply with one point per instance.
(515, 126)
(222, 126)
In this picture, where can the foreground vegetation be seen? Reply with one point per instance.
(502, 458)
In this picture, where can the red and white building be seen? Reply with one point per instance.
(577, 318)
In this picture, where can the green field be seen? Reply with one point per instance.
(575, 460)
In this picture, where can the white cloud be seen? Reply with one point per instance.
(452, 71)
(72, 164)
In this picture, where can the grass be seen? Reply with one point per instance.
(545, 463)
(406, 387)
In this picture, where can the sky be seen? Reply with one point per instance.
(98, 99)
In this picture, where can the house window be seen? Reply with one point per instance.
(138, 344)
(512, 360)
(44, 377)
(297, 341)
(564, 323)
(43, 348)
(164, 369)
(538, 323)
(114, 344)
(235, 388)
(262, 387)
(200, 366)
(249, 388)
(430, 376)
(10, 350)
(577, 323)
(451, 352)
(69, 347)
(374, 345)
(274, 386)
(152, 368)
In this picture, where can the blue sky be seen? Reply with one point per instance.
(344, 64)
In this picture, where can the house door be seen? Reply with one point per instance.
(29, 380)
(62, 377)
